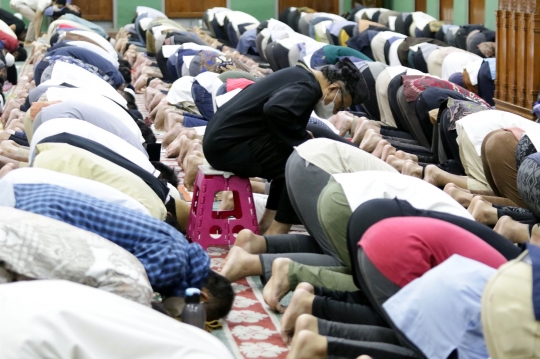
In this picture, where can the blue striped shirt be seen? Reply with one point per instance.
(171, 262)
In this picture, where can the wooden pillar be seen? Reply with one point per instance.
(500, 80)
(511, 61)
(521, 38)
(518, 49)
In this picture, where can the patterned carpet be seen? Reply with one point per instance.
(251, 330)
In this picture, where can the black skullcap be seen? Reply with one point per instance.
(347, 72)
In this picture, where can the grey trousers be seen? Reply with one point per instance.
(305, 183)
(364, 333)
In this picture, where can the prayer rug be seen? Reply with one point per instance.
(251, 330)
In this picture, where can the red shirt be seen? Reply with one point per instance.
(10, 43)
(405, 248)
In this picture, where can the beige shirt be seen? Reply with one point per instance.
(74, 161)
(337, 157)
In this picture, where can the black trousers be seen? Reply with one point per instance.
(345, 307)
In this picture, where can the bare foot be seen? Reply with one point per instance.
(186, 150)
(377, 152)
(362, 131)
(512, 230)
(240, 264)
(172, 135)
(6, 169)
(431, 175)
(307, 322)
(301, 303)
(196, 146)
(277, 228)
(370, 141)
(192, 169)
(250, 242)
(395, 162)
(173, 149)
(11, 150)
(388, 150)
(5, 135)
(309, 345)
(308, 287)
(412, 169)
(460, 195)
(406, 156)
(342, 122)
(535, 235)
(483, 211)
(278, 285)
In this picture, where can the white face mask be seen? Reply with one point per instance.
(325, 111)
(55, 8)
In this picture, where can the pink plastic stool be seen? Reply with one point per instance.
(208, 227)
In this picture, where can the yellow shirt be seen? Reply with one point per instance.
(75, 161)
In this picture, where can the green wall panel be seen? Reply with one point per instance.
(433, 8)
(126, 9)
(491, 8)
(400, 5)
(347, 5)
(461, 12)
(261, 9)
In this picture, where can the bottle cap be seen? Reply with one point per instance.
(193, 296)
(192, 291)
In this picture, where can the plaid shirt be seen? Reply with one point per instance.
(171, 262)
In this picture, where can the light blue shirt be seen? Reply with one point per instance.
(440, 311)
(492, 66)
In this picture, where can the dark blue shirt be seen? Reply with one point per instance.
(91, 58)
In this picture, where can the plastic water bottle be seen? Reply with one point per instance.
(193, 312)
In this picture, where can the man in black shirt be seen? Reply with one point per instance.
(253, 134)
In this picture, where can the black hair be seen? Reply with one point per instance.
(61, 2)
(126, 74)
(167, 173)
(54, 39)
(221, 296)
(22, 54)
(124, 63)
(146, 132)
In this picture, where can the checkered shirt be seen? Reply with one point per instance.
(171, 262)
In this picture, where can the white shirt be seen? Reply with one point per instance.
(98, 39)
(480, 124)
(79, 77)
(181, 90)
(31, 175)
(150, 12)
(5, 28)
(456, 62)
(92, 97)
(91, 132)
(360, 187)
(473, 69)
(33, 4)
(378, 42)
(65, 320)
(97, 50)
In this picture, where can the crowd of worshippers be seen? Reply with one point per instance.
(420, 201)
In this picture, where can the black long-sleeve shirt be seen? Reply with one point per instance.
(280, 104)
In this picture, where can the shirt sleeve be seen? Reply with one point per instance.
(285, 108)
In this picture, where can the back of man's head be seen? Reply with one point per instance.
(221, 296)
